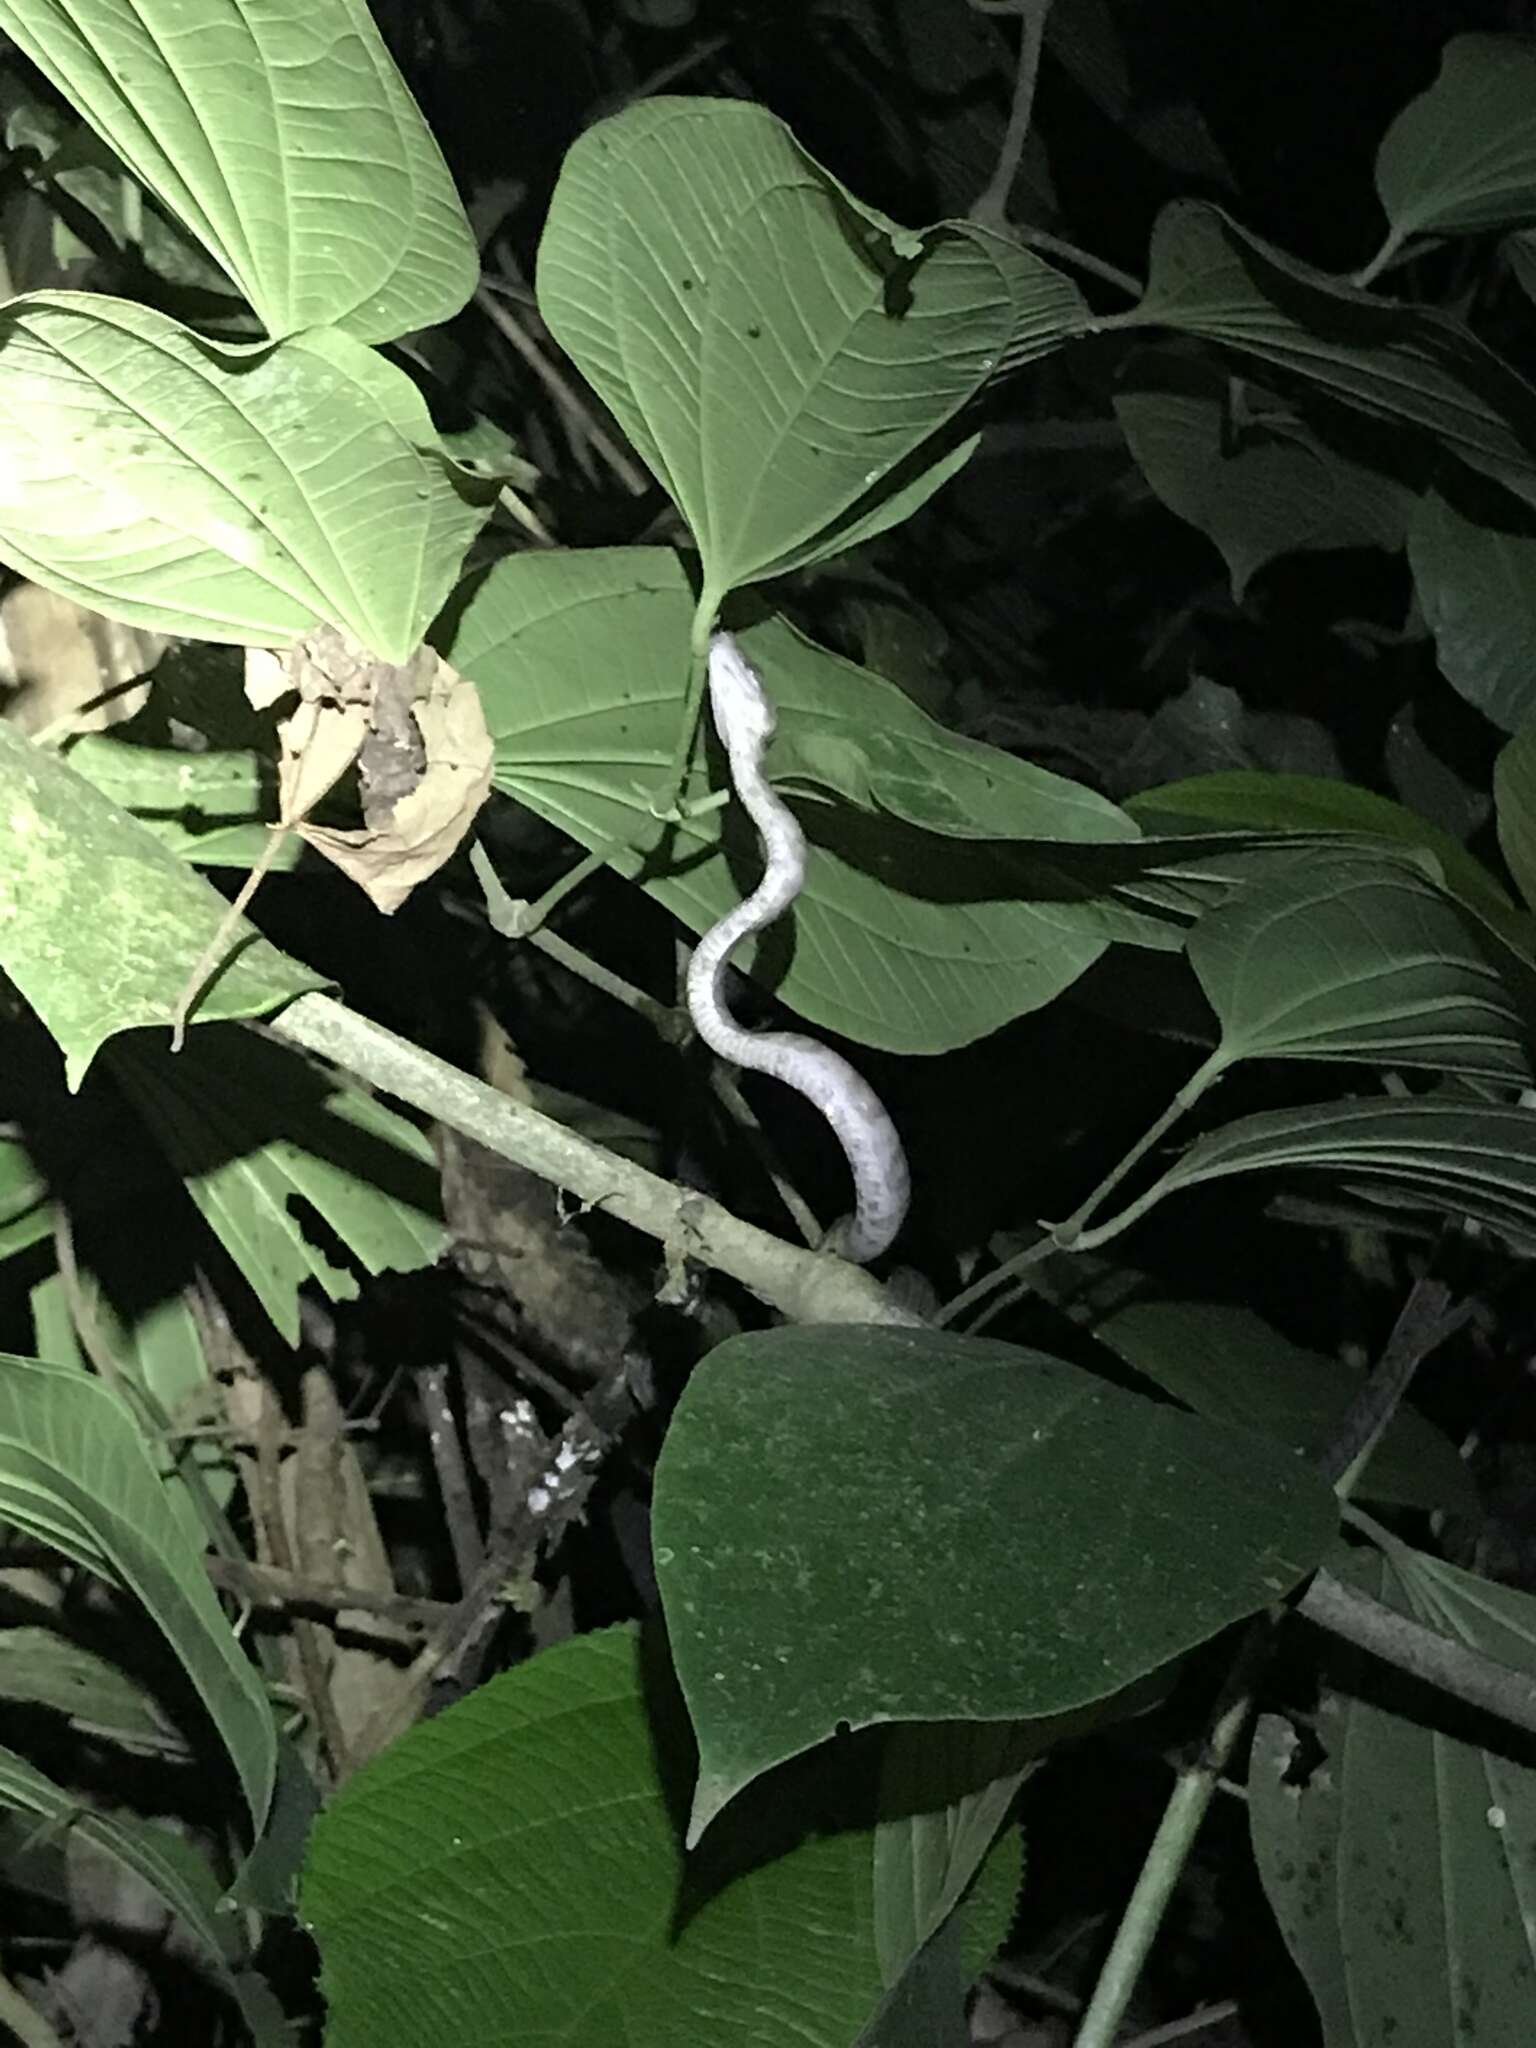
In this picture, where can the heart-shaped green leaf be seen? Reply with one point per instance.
(859, 1526)
(1268, 488)
(235, 494)
(774, 349)
(1461, 158)
(283, 138)
(1356, 957)
(1409, 366)
(902, 938)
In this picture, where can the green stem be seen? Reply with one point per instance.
(1072, 1234)
(1053, 245)
(670, 795)
(1193, 1790)
(991, 208)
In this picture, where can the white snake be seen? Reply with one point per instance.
(882, 1184)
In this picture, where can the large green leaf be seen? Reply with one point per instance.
(75, 1473)
(1449, 1157)
(1399, 1860)
(1355, 957)
(284, 139)
(774, 349)
(511, 1872)
(853, 1527)
(100, 925)
(1409, 366)
(1477, 587)
(1461, 158)
(262, 1138)
(901, 939)
(1228, 1363)
(240, 494)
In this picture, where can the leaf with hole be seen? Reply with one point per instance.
(298, 1173)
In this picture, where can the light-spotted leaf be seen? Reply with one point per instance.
(283, 137)
(837, 1538)
(240, 494)
(1398, 1855)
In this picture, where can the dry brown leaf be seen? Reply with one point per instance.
(431, 760)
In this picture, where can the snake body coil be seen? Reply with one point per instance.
(882, 1184)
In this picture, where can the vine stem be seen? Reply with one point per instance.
(805, 1286)
(1072, 1233)
(991, 208)
(1193, 1790)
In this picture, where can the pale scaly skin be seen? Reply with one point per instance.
(882, 1184)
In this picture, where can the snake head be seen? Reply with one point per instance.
(742, 712)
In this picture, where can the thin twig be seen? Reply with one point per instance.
(572, 406)
(24, 2020)
(1426, 1321)
(1454, 1667)
(452, 1472)
(991, 208)
(1181, 2030)
(265, 1585)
